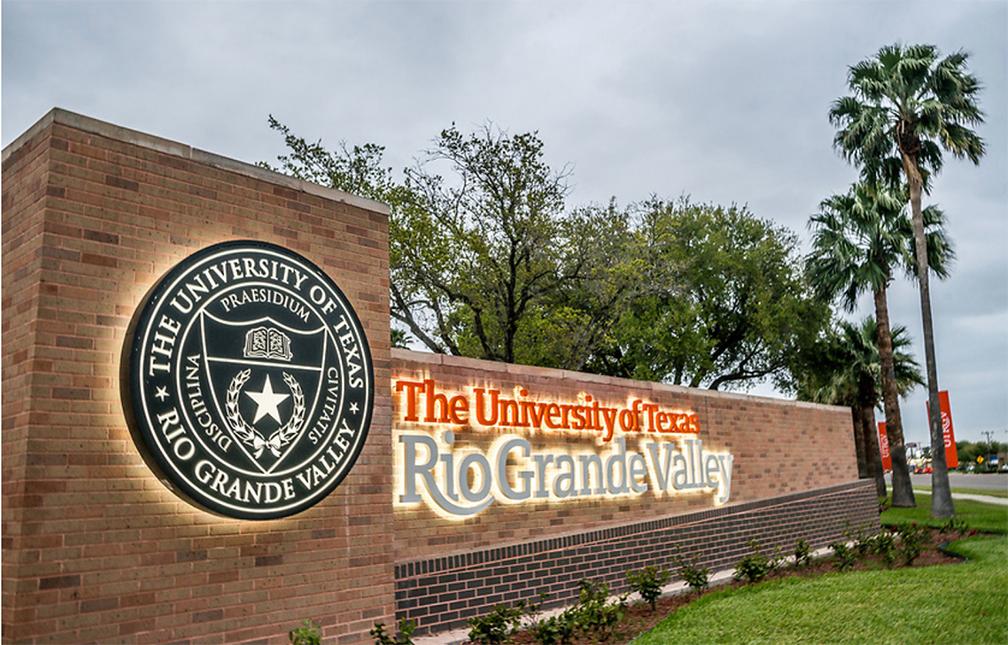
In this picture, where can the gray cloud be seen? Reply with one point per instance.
(725, 101)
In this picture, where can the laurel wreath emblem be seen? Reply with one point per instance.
(252, 437)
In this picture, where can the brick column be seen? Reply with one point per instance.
(95, 548)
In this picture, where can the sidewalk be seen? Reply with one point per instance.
(986, 499)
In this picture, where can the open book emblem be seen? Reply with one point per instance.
(267, 342)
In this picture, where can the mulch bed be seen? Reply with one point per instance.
(639, 618)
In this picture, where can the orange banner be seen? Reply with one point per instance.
(883, 444)
(951, 454)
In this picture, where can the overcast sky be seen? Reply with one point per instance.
(724, 101)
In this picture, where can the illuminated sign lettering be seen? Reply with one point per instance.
(489, 408)
(644, 447)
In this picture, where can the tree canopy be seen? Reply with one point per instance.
(488, 260)
(907, 104)
(862, 237)
(722, 300)
(848, 358)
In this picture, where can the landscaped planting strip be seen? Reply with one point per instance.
(444, 592)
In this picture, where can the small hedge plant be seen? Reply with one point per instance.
(802, 554)
(308, 633)
(845, 556)
(594, 617)
(403, 636)
(884, 546)
(648, 582)
(911, 543)
(556, 630)
(498, 625)
(756, 565)
(698, 578)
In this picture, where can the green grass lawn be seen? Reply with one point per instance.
(984, 517)
(954, 603)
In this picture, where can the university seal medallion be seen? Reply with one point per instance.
(247, 381)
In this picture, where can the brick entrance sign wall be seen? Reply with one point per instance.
(97, 549)
(794, 477)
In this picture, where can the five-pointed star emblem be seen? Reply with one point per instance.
(353, 407)
(161, 394)
(267, 401)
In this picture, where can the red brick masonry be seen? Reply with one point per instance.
(780, 447)
(95, 548)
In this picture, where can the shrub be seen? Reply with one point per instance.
(496, 626)
(308, 633)
(884, 546)
(911, 543)
(648, 582)
(403, 636)
(698, 578)
(802, 553)
(595, 615)
(755, 566)
(556, 630)
(845, 556)
(862, 542)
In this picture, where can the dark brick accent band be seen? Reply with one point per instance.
(442, 593)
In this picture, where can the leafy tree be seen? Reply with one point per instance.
(859, 239)
(353, 169)
(847, 371)
(568, 325)
(722, 302)
(907, 105)
(484, 261)
(487, 262)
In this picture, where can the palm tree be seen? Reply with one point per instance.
(860, 238)
(851, 375)
(908, 104)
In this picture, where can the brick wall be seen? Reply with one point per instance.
(780, 447)
(94, 547)
(794, 477)
(443, 592)
(24, 196)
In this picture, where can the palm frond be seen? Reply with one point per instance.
(907, 100)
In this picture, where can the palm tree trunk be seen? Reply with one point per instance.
(903, 495)
(873, 458)
(859, 444)
(941, 492)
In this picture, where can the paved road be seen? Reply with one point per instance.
(997, 481)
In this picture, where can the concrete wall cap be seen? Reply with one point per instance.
(400, 354)
(167, 146)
